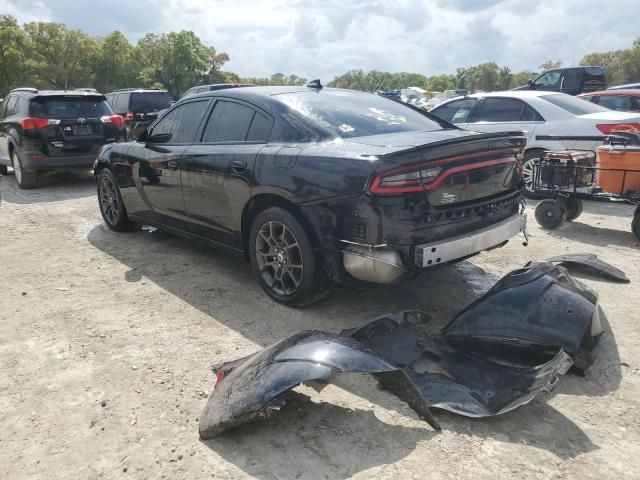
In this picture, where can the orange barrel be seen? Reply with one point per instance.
(621, 157)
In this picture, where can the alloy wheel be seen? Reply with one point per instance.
(109, 200)
(279, 258)
(528, 171)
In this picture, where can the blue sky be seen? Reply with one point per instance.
(320, 39)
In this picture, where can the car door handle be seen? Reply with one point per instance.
(239, 166)
(173, 165)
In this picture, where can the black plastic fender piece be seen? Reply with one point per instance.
(593, 263)
(249, 388)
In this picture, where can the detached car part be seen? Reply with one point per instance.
(250, 388)
(593, 263)
(497, 354)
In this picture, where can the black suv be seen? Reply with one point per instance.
(45, 130)
(573, 80)
(213, 87)
(139, 106)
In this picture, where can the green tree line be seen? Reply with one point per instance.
(50, 55)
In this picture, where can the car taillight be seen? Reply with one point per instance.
(35, 123)
(608, 128)
(130, 116)
(116, 120)
(404, 181)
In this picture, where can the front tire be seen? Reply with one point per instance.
(110, 202)
(283, 259)
(25, 180)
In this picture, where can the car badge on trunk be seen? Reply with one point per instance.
(448, 198)
(81, 120)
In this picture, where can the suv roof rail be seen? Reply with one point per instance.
(25, 89)
(137, 88)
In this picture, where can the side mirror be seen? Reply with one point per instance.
(532, 85)
(159, 138)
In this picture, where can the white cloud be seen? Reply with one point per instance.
(323, 39)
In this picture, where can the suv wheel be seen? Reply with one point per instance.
(24, 179)
(110, 201)
(283, 260)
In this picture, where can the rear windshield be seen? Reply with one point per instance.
(573, 105)
(150, 101)
(353, 114)
(70, 107)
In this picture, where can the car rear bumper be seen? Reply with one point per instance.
(50, 163)
(443, 251)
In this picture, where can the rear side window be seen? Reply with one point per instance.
(499, 110)
(573, 105)
(70, 107)
(615, 102)
(229, 122)
(150, 101)
(181, 124)
(121, 103)
(456, 111)
(11, 105)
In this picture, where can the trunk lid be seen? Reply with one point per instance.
(448, 167)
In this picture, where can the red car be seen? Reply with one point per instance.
(624, 100)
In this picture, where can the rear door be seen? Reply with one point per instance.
(6, 109)
(218, 170)
(156, 167)
(498, 114)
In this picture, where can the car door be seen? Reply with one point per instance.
(156, 167)
(217, 174)
(500, 114)
(571, 82)
(4, 130)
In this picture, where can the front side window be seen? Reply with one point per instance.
(181, 124)
(572, 79)
(499, 110)
(229, 122)
(456, 111)
(548, 80)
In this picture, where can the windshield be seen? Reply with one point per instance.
(70, 107)
(573, 105)
(353, 114)
(150, 101)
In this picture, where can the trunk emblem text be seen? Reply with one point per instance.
(448, 198)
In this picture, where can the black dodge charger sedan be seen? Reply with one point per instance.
(315, 185)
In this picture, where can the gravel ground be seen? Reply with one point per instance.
(106, 341)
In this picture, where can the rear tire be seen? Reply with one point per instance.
(551, 213)
(111, 204)
(531, 158)
(574, 208)
(283, 259)
(25, 180)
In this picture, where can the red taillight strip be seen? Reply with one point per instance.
(378, 190)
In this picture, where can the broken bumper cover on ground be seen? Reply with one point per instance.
(499, 353)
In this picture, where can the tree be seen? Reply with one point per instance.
(115, 64)
(59, 57)
(13, 52)
(550, 65)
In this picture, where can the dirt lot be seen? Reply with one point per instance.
(106, 341)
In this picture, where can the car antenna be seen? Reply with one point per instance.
(315, 84)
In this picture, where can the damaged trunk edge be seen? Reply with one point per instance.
(499, 353)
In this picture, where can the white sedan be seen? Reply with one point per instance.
(549, 120)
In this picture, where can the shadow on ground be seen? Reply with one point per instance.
(307, 436)
(52, 187)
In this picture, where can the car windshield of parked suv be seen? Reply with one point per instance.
(352, 114)
(150, 101)
(70, 107)
(573, 105)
